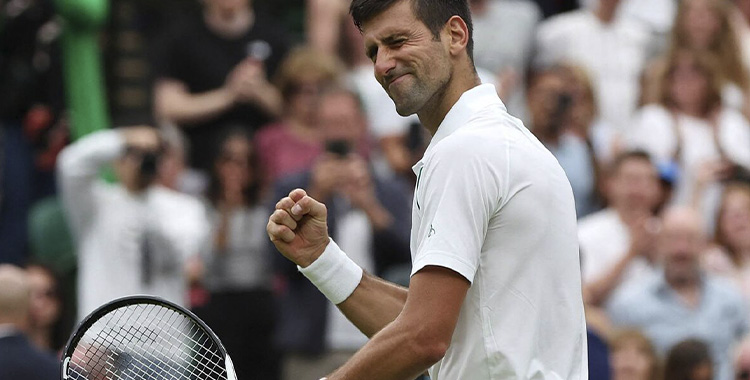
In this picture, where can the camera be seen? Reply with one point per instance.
(340, 148)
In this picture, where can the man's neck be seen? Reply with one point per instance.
(606, 11)
(629, 214)
(434, 111)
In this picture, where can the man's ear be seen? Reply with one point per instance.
(458, 35)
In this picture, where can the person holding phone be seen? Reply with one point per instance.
(369, 215)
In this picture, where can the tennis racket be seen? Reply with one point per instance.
(145, 338)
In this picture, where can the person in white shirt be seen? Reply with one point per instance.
(613, 51)
(495, 291)
(690, 127)
(132, 237)
(617, 243)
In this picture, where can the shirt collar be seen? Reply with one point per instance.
(471, 101)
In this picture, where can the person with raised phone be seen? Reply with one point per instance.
(495, 291)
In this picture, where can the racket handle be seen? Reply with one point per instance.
(231, 375)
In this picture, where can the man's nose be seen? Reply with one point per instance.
(384, 63)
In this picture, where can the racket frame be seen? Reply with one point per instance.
(139, 299)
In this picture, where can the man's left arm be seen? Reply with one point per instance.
(419, 336)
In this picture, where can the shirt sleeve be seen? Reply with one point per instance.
(78, 168)
(458, 192)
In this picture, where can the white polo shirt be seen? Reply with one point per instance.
(492, 204)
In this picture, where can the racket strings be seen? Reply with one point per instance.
(146, 342)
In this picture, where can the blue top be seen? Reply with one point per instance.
(653, 306)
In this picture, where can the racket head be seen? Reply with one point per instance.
(144, 337)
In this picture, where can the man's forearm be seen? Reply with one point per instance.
(392, 354)
(374, 304)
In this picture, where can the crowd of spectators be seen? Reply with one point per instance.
(645, 104)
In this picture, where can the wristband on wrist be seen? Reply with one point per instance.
(334, 273)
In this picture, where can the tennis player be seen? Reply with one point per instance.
(495, 291)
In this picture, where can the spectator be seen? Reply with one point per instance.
(132, 237)
(237, 267)
(291, 145)
(552, 107)
(368, 215)
(617, 243)
(691, 128)
(689, 360)
(504, 32)
(32, 130)
(731, 255)
(612, 50)
(633, 357)
(45, 308)
(211, 73)
(706, 26)
(682, 301)
(19, 359)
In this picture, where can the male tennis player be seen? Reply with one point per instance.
(495, 290)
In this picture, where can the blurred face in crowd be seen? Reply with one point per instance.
(703, 371)
(631, 360)
(340, 118)
(412, 65)
(233, 166)
(44, 308)
(688, 84)
(137, 168)
(635, 186)
(701, 23)
(680, 244)
(545, 100)
(304, 100)
(226, 10)
(735, 218)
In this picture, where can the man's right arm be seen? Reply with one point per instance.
(298, 229)
(374, 304)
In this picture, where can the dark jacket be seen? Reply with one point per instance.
(20, 360)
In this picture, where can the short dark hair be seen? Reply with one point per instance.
(635, 155)
(433, 13)
(684, 357)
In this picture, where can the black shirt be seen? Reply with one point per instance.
(191, 53)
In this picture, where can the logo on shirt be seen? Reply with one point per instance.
(432, 231)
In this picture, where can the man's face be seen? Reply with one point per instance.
(680, 242)
(341, 119)
(411, 65)
(635, 186)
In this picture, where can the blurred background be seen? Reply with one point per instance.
(144, 143)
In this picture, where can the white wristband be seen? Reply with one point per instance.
(334, 273)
